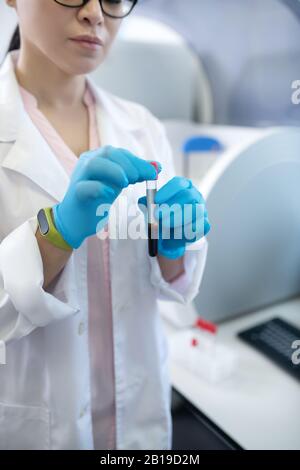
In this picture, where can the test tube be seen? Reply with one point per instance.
(151, 189)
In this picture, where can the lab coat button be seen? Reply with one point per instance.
(81, 328)
(83, 411)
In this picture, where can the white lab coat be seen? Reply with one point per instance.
(45, 397)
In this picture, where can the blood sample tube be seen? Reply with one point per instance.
(151, 189)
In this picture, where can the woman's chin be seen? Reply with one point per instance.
(81, 66)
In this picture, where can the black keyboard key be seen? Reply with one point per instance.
(274, 338)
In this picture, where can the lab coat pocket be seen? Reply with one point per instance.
(24, 427)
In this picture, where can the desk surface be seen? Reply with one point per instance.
(259, 407)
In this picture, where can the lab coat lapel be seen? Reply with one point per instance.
(31, 156)
(29, 153)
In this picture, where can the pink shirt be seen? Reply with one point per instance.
(99, 289)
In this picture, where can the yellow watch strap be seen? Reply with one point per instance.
(53, 236)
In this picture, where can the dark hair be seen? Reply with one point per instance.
(15, 42)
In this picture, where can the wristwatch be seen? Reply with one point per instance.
(48, 230)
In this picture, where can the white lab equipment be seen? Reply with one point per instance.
(230, 138)
(198, 350)
(211, 362)
(252, 196)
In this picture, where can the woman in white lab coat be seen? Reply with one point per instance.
(52, 390)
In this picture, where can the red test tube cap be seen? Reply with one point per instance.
(155, 165)
(206, 325)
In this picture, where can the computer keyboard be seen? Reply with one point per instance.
(274, 338)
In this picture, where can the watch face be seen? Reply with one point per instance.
(43, 223)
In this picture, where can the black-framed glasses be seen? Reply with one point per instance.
(111, 8)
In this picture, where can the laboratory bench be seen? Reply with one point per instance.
(258, 407)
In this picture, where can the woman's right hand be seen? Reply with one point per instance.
(98, 178)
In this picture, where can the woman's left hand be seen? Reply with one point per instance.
(181, 214)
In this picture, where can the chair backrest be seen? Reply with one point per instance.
(234, 37)
(166, 78)
(264, 91)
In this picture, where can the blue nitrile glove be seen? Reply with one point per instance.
(181, 215)
(98, 178)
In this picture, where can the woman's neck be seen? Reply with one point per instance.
(51, 86)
